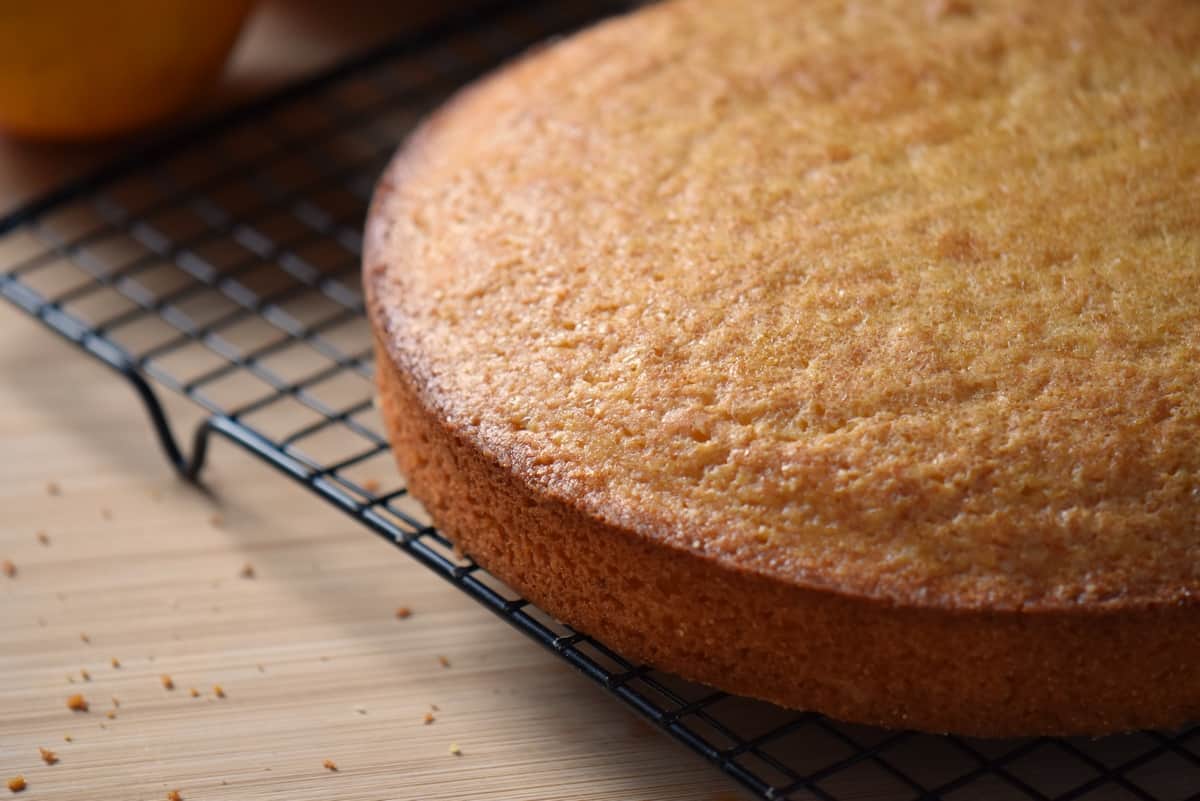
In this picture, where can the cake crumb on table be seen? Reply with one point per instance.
(167, 682)
(372, 485)
(43, 537)
(83, 674)
(330, 765)
(115, 702)
(111, 714)
(429, 718)
(106, 513)
(48, 756)
(77, 703)
(443, 661)
(247, 571)
(9, 568)
(455, 750)
(68, 738)
(85, 638)
(403, 613)
(216, 521)
(53, 488)
(194, 692)
(16, 784)
(174, 795)
(218, 691)
(116, 663)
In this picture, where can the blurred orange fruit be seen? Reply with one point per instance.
(76, 69)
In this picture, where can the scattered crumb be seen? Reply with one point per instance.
(48, 756)
(218, 691)
(941, 9)
(43, 537)
(216, 521)
(435, 707)
(9, 568)
(443, 661)
(261, 669)
(70, 679)
(52, 488)
(68, 738)
(362, 710)
(194, 692)
(455, 750)
(371, 485)
(324, 659)
(403, 613)
(150, 658)
(116, 703)
(838, 153)
(77, 703)
(103, 726)
(111, 714)
(429, 718)
(247, 571)
(83, 636)
(116, 663)
(167, 682)
(330, 765)
(174, 795)
(83, 674)
(106, 513)
(16, 784)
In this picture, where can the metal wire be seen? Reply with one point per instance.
(223, 265)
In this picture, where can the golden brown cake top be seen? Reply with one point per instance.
(899, 299)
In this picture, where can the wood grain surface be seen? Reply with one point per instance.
(313, 662)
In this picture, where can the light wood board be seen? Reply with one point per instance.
(150, 570)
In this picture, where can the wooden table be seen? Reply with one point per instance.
(116, 559)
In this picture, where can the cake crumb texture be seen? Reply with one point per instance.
(895, 303)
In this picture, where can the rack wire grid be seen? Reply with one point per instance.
(223, 265)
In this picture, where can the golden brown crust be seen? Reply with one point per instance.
(978, 673)
(740, 323)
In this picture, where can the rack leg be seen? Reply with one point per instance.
(187, 468)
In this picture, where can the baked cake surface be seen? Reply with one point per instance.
(878, 321)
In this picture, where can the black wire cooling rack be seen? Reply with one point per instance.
(223, 265)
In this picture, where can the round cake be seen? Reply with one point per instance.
(840, 354)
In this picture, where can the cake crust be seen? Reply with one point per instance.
(939, 469)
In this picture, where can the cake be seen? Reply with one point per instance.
(840, 354)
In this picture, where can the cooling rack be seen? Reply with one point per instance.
(222, 265)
